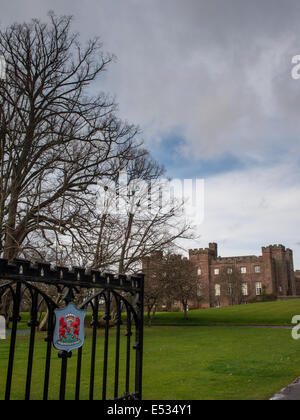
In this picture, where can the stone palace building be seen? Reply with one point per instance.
(270, 274)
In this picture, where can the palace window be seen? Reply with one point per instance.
(257, 269)
(258, 288)
(216, 271)
(229, 289)
(229, 270)
(244, 289)
(199, 271)
(218, 290)
(243, 270)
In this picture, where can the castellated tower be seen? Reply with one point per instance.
(203, 259)
(279, 274)
(155, 257)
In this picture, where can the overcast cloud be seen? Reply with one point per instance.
(210, 84)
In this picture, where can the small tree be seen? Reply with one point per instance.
(155, 284)
(182, 281)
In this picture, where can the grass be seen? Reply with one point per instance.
(179, 364)
(269, 313)
(218, 363)
(278, 313)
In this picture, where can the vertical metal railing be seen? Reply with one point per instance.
(118, 334)
(15, 319)
(25, 278)
(140, 341)
(33, 325)
(95, 305)
(48, 340)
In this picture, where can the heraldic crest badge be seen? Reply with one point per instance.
(69, 328)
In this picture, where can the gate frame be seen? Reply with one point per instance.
(22, 273)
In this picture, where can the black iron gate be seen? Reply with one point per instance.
(115, 374)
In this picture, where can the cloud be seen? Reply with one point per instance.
(245, 210)
(214, 76)
(217, 71)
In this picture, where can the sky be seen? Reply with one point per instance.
(210, 85)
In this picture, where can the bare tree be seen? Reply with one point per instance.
(156, 285)
(132, 222)
(56, 141)
(182, 280)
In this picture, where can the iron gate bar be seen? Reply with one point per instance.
(78, 374)
(128, 334)
(95, 306)
(16, 314)
(117, 360)
(64, 356)
(106, 319)
(48, 340)
(23, 274)
(140, 341)
(32, 324)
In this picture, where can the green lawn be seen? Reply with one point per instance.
(269, 313)
(179, 363)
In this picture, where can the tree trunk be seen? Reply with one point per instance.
(124, 246)
(5, 306)
(11, 247)
(98, 254)
(184, 304)
(44, 324)
(153, 314)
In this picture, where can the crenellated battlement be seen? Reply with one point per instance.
(211, 250)
(274, 248)
(239, 259)
(199, 251)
